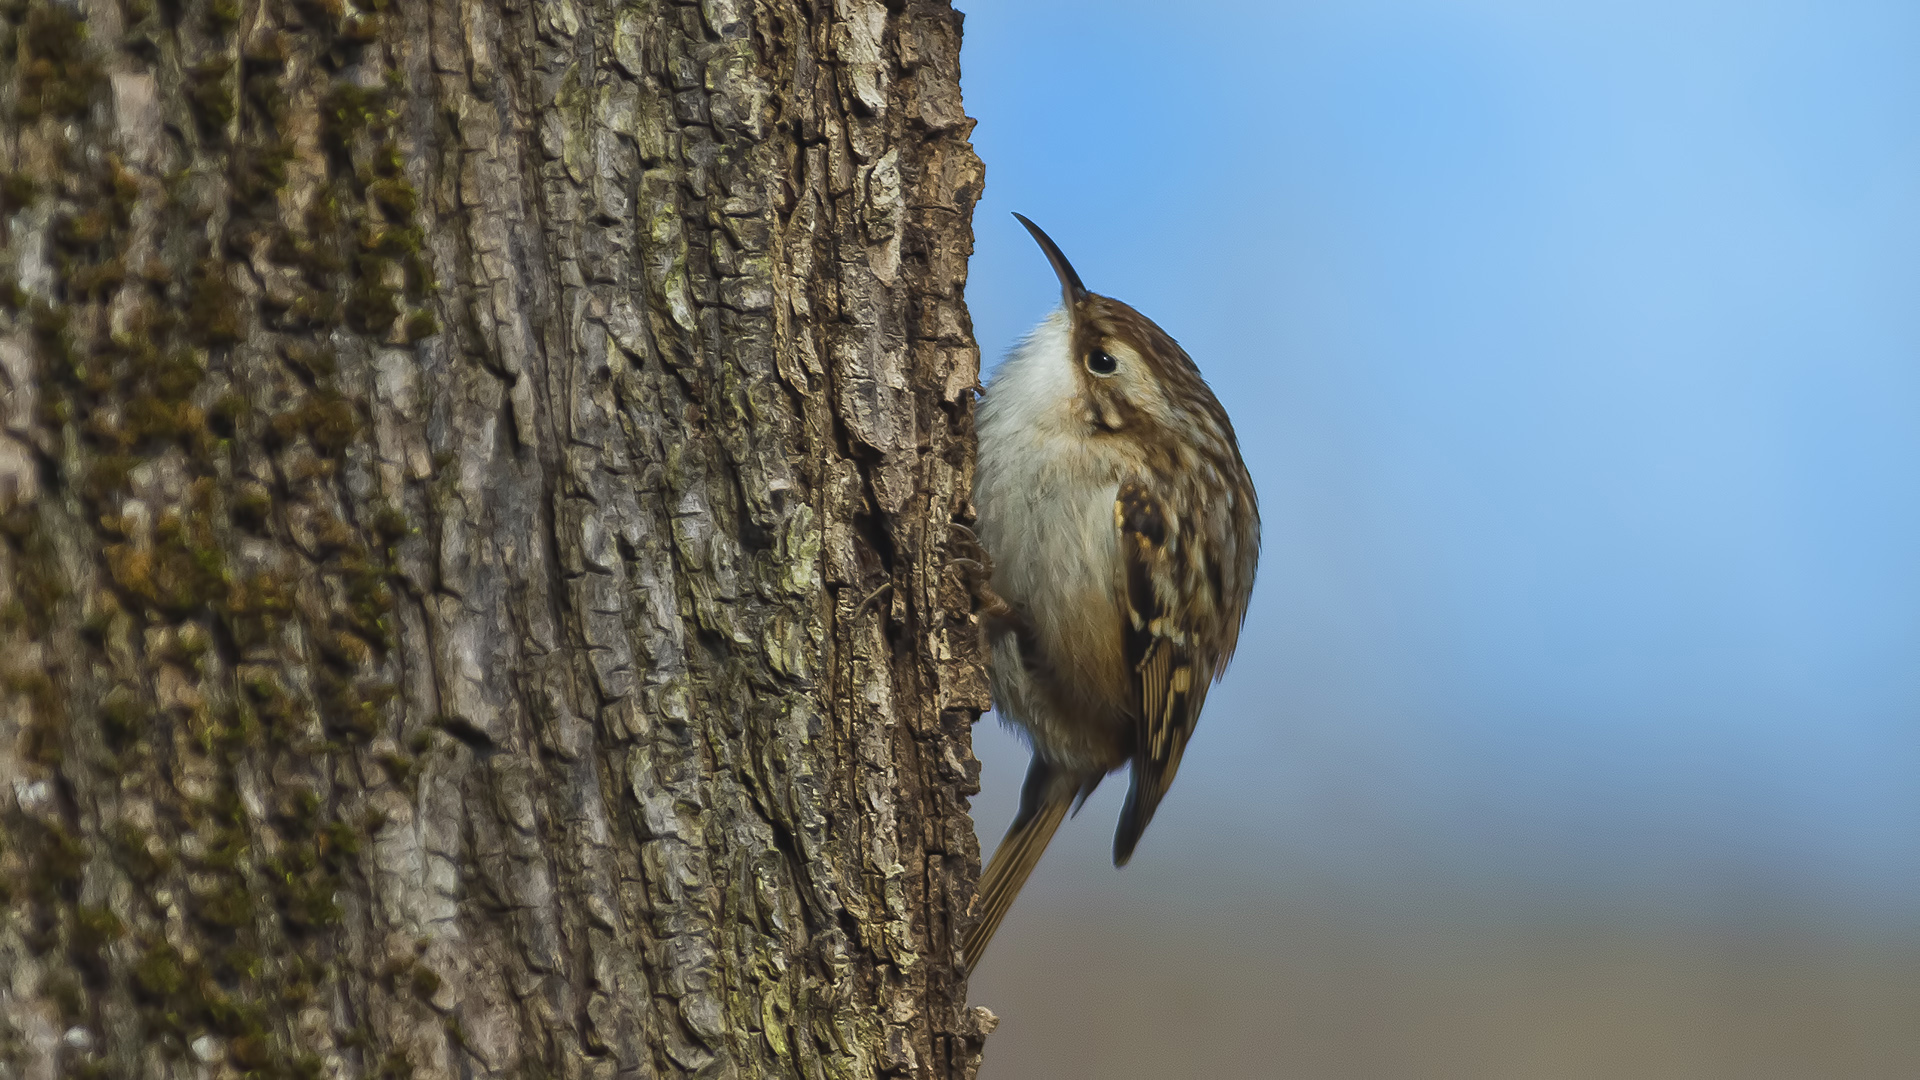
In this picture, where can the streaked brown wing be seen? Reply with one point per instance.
(1169, 678)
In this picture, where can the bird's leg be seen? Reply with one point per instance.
(990, 606)
(994, 612)
(970, 539)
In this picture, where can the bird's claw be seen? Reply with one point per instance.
(989, 605)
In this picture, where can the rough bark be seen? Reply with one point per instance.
(478, 481)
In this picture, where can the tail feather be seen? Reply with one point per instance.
(1012, 861)
(1143, 798)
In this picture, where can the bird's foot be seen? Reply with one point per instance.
(977, 568)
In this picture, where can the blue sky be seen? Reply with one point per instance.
(1576, 352)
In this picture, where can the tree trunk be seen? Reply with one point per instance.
(478, 483)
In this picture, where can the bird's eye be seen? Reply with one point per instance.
(1101, 363)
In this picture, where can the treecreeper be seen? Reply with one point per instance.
(1123, 533)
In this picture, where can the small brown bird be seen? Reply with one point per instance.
(1124, 533)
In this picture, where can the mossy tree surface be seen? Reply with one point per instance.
(477, 496)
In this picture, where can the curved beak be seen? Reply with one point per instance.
(1071, 291)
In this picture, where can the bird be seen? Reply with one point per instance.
(1121, 532)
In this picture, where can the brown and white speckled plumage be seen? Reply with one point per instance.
(1124, 535)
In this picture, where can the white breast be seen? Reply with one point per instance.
(1045, 493)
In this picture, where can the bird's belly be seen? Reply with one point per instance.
(1055, 549)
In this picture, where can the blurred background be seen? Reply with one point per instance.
(1575, 348)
